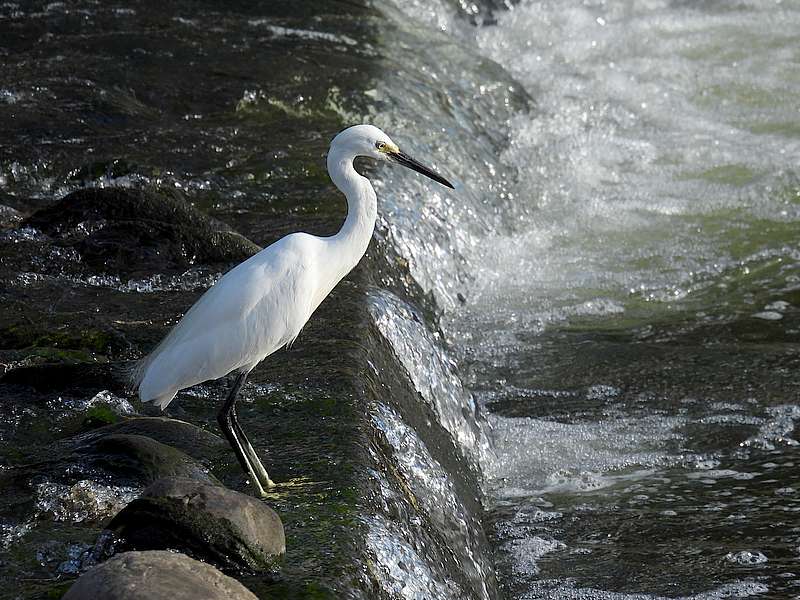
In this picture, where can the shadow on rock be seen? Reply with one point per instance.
(80, 376)
(198, 443)
(138, 459)
(139, 451)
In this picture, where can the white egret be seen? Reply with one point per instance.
(262, 304)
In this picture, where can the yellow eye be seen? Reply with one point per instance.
(380, 145)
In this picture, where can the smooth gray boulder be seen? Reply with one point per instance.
(235, 532)
(156, 575)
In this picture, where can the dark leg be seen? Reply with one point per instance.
(225, 419)
(252, 457)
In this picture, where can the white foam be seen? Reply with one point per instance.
(746, 557)
(83, 501)
(542, 456)
(399, 567)
(775, 431)
(558, 590)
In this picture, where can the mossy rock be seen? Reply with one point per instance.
(231, 530)
(123, 231)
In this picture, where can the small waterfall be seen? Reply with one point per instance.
(628, 182)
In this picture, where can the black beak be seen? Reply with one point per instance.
(404, 159)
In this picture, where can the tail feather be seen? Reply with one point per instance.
(122, 375)
(163, 400)
(135, 373)
(137, 370)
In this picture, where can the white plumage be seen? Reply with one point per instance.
(252, 311)
(262, 304)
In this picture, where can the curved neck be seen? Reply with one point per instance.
(362, 210)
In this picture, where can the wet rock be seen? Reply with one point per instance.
(156, 575)
(194, 441)
(82, 502)
(137, 460)
(231, 530)
(96, 473)
(121, 231)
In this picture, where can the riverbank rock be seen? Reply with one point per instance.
(156, 575)
(231, 530)
(122, 230)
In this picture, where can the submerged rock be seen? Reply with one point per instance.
(121, 459)
(85, 501)
(90, 478)
(231, 530)
(156, 575)
(121, 230)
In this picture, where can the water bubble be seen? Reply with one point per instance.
(527, 552)
(746, 557)
(779, 306)
(768, 315)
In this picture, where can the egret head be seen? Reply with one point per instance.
(369, 141)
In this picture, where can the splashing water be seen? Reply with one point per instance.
(632, 326)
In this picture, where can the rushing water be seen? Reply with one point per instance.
(633, 334)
